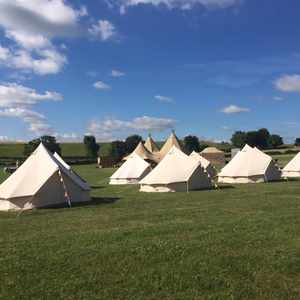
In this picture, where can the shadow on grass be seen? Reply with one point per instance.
(290, 179)
(282, 180)
(95, 201)
(225, 187)
(97, 187)
(98, 201)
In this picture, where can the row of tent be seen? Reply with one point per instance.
(179, 172)
(42, 180)
(45, 179)
(176, 172)
(150, 151)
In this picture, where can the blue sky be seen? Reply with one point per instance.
(114, 68)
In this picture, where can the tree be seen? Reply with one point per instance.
(203, 145)
(191, 143)
(91, 146)
(275, 140)
(118, 150)
(132, 141)
(263, 138)
(260, 138)
(251, 138)
(239, 139)
(297, 142)
(48, 141)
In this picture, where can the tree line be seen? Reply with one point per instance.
(116, 150)
(91, 146)
(261, 138)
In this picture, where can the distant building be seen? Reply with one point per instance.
(214, 155)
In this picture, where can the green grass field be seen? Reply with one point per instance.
(238, 242)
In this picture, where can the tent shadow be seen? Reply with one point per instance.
(97, 187)
(291, 179)
(280, 181)
(225, 187)
(97, 201)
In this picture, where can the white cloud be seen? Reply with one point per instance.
(112, 128)
(4, 138)
(180, 4)
(233, 109)
(4, 53)
(103, 30)
(12, 95)
(163, 98)
(36, 121)
(17, 101)
(46, 61)
(31, 25)
(151, 124)
(100, 85)
(82, 12)
(27, 40)
(68, 137)
(288, 83)
(42, 17)
(117, 73)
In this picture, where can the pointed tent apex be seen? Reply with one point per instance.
(171, 141)
(41, 146)
(247, 148)
(150, 145)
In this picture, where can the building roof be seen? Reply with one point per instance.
(212, 150)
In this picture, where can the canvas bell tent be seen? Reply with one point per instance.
(41, 181)
(60, 159)
(143, 153)
(292, 169)
(172, 141)
(177, 172)
(150, 145)
(208, 167)
(250, 165)
(68, 167)
(131, 172)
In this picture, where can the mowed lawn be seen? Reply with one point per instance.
(240, 242)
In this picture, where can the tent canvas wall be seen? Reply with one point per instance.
(41, 181)
(68, 167)
(60, 159)
(208, 167)
(292, 169)
(250, 165)
(177, 172)
(131, 172)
